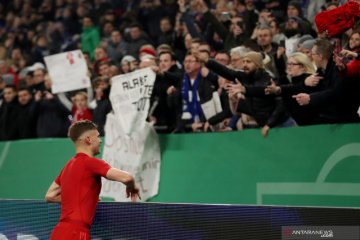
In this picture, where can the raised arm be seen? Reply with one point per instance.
(53, 194)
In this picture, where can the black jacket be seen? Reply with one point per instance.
(165, 116)
(8, 117)
(207, 85)
(27, 116)
(103, 107)
(267, 110)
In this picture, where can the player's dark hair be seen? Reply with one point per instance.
(79, 127)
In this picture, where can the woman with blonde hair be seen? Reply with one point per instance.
(301, 72)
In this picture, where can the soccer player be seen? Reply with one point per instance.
(78, 185)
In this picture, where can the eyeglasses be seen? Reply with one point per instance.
(294, 64)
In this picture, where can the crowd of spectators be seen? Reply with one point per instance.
(221, 65)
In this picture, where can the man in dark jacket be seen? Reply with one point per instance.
(331, 97)
(197, 87)
(167, 74)
(268, 111)
(8, 114)
(26, 114)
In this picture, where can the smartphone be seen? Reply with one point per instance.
(282, 43)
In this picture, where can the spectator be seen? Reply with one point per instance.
(116, 47)
(300, 70)
(90, 37)
(50, 110)
(27, 114)
(167, 74)
(330, 99)
(167, 34)
(80, 110)
(197, 88)
(137, 39)
(267, 112)
(103, 104)
(9, 114)
(128, 64)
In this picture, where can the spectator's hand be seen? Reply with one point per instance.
(265, 130)
(302, 98)
(38, 95)
(339, 62)
(201, 6)
(196, 126)
(182, 7)
(48, 95)
(234, 89)
(133, 193)
(155, 69)
(206, 126)
(152, 120)
(280, 52)
(171, 90)
(348, 53)
(272, 89)
(204, 72)
(255, 33)
(313, 80)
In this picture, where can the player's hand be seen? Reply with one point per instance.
(133, 193)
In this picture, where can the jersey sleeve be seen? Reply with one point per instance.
(58, 178)
(98, 166)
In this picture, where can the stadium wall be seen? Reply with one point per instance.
(302, 166)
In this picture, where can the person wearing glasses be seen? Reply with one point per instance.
(197, 87)
(332, 98)
(300, 77)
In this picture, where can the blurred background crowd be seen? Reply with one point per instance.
(221, 65)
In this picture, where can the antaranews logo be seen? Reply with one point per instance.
(320, 232)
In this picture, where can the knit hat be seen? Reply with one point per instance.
(308, 44)
(147, 49)
(256, 58)
(305, 38)
(127, 59)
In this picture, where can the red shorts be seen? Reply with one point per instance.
(70, 231)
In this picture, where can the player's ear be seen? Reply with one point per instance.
(87, 139)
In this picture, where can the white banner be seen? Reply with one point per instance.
(138, 154)
(130, 98)
(131, 144)
(68, 71)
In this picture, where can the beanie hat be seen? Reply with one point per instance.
(146, 49)
(308, 44)
(127, 59)
(305, 38)
(256, 58)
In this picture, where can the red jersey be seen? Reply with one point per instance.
(80, 182)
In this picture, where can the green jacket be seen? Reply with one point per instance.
(90, 39)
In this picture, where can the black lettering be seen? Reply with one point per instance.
(125, 86)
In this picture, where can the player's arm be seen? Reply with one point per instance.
(54, 193)
(118, 175)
